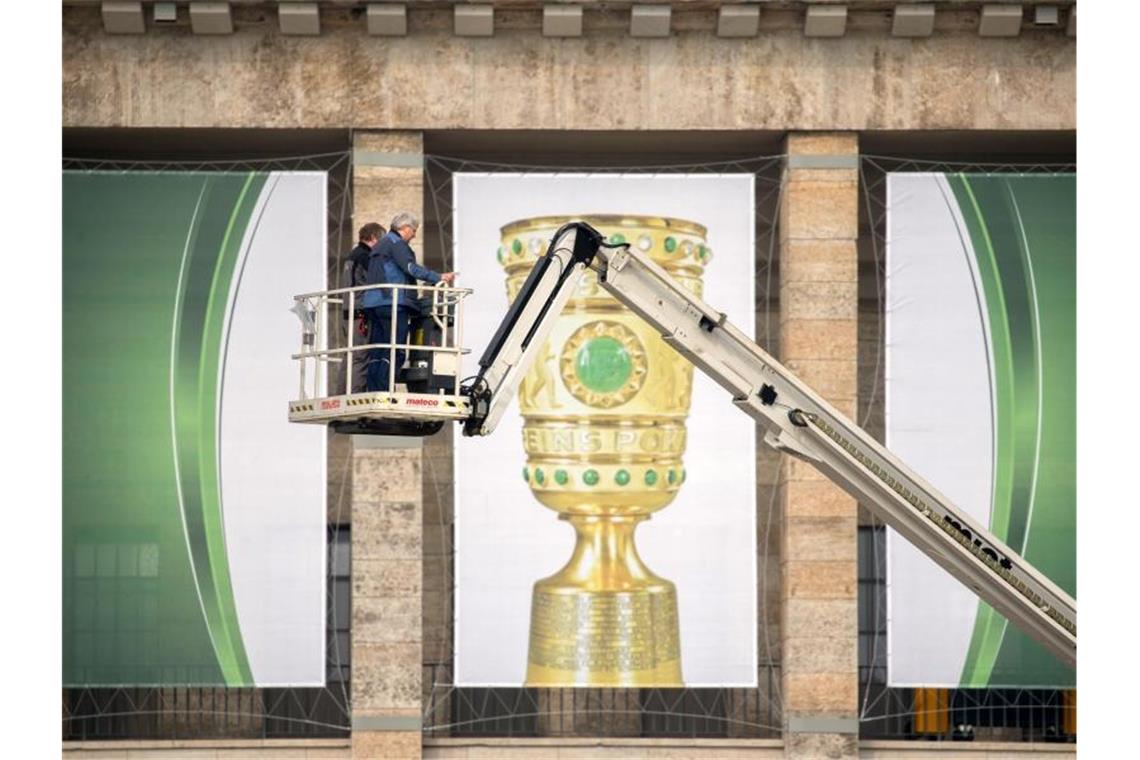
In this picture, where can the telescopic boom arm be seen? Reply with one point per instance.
(794, 418)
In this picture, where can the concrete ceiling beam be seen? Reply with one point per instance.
(738, 21)
(387, 19)
(211, 18)
(913, 20)
(123, 17)
(562, 21)
(825, 21)
(474, 21)
(297, 18)
(650, 20)
(1000, 20)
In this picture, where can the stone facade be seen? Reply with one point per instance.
(517, 79)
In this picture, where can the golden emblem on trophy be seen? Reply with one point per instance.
(604, 410)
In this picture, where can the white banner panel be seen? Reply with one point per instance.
(274, 472)
(705, 540)
(937, 353)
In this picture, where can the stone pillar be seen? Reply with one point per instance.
(387, 507)
(387, 636)
(438, 580)
(387, 176)
(818, 342)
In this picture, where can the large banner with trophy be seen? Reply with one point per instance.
(981, 399)
(194, 524)
(606, 535)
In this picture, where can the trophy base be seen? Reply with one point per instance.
(606, 622)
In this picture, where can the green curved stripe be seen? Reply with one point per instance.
(983, 643)
(1043, 211)
(131, 610)
(227, 207)
(1023, 486)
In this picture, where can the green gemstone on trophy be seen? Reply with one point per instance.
(684, 474)
(672, 478)
(539, 475)
(603, 365)
(670, 244)
(526, 475)
(622, 477)
(702, 252)
(650, 477)
(590, 477)
(499, 254)
(561, 477)
(516, 246)
(617, 238)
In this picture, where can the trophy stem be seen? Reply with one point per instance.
(604, 619)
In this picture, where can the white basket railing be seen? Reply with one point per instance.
(441, 303)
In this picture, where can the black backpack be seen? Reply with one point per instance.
(354, 273)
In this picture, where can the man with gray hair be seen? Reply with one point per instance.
(393, 262)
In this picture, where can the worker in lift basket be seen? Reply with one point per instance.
(393, 262)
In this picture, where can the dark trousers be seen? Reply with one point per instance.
(380, 331)
(358, 330)
(356, 334)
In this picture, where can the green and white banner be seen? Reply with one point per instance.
(193, 512)
(981, 400)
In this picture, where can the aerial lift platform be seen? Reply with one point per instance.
(795, 419)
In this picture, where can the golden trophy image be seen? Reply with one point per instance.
(604, 410)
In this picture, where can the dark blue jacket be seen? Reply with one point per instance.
(394, 263)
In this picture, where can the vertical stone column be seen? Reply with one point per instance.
(387, 176)
(387, 507)
(438, 580)
(818, 342)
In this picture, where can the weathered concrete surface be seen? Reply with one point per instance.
(520, 80)
(918, 750)
(818, 341)
(211, 749)
(612, 749)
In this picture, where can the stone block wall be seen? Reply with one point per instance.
(818, 291)
(387, 634)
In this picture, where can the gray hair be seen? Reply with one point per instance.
(404, 219)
